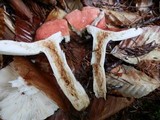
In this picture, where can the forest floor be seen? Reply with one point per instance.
(146, 108)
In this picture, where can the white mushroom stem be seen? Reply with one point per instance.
(64, 76)
(8, 47)
(100, 41)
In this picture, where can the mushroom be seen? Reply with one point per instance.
(100, 41)
(88, 15)
(25, 100)
(131, 82)
(63, 74)
(51, 27)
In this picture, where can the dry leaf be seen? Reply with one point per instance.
(144, 5)
(150, 67)
(38, 10)
(56, 13)
(151, 34)
(144, 47)
(24, 30)
(132, 82)
(90, 2)
(53, 2)
(2, 24)
(6, 25)
(6, 29)
(101, 109)
(99, 2)
(21, 9)
(70, 5)
(59, 115)
(121, 18)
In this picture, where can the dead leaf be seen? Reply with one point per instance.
(150, 67)
(59, 115)
(21, 9)
(90, 2)
(2, 24)
(143, 47)
(47, 2)
(70, 5)
(151, 34)
(121, 18)
(39, 11)
(98, 2)
(132, 82)
(56, 13)
(24, 30)
(101, 109)
(144, 5)
(6, 25)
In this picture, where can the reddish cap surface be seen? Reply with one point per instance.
(51, 27)
(80, 19)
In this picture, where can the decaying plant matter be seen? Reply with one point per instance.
(133, 83)
(144, 47)
(76, 59)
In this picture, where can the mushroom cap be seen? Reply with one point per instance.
(51, 27)
(79, 19)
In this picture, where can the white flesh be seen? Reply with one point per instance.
(8, 47)
(100, 41)
(64, 76)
